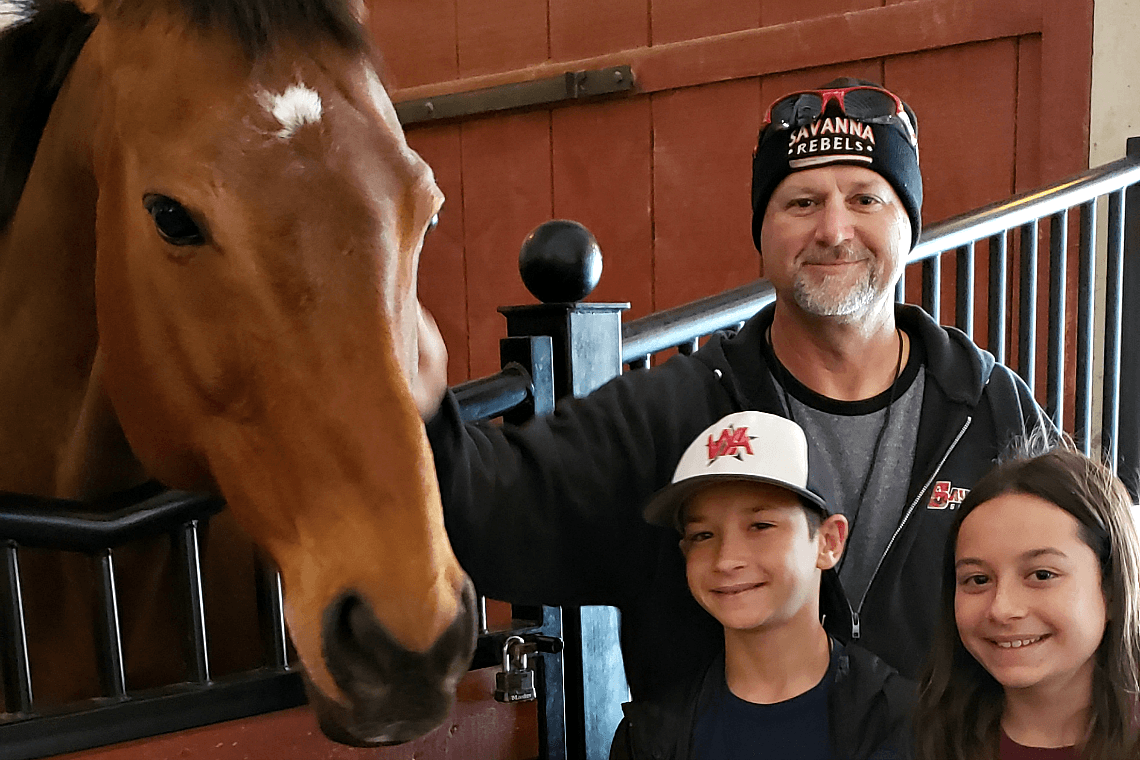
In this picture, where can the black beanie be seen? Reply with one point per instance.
(835, 138)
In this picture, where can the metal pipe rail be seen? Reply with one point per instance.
(44, 523)
(1025, 208)
(490, 396)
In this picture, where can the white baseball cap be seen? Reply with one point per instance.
(749, 446)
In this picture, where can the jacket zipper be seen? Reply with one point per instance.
(855, 622)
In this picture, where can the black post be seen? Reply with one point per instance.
(1128, 465)
(560, 263)
(535, 354)
(586, 342)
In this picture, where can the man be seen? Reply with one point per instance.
(902, 416)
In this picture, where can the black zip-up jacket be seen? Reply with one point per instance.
(869, 710)
(550, 512)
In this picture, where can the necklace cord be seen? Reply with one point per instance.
(786, 375)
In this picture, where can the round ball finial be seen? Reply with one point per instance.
(560, 262)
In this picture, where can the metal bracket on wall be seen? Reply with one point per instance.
(573, 85)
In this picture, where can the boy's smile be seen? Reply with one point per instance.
(753, 558)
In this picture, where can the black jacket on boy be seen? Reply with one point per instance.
(869, 713)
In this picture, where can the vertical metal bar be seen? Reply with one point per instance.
(1055, 379)
(1128, 438)
(188, 548)
(1113, 316)
(900, 287)
(999, 253)
(111, 673)
(550, 676)
(1085, 302)
(932, 287)
(14, 648)
(964, 291)
(1027, 315)
(689, 347)
(481, 613)
(641, 363)
(271, 614)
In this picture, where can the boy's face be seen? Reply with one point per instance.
(751, 558)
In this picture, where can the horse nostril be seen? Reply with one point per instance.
(355, 641)
(393, 694)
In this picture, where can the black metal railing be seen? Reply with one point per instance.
(29, 729)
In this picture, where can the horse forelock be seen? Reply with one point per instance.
(36, 54)
(256, 24)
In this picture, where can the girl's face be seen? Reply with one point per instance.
(1028, 598)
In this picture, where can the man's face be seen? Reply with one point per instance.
(750, 557)
(834, 241)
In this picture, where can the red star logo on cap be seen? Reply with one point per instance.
(730, 443)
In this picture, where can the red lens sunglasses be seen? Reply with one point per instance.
(862, 102)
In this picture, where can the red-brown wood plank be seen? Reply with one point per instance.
(702, 152)
(966, 124)
(500, 35)
(860, 35)
(675, 20)
(586, 28)
(443, 276)
(417, 40)
(1066, 77)
(506, 194)
(967, 161)
(478, 727)
(774, 12)
(603, 179)
(1027, 161)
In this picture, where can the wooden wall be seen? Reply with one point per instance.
(661, 177)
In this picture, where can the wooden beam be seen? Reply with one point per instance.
(858, 35)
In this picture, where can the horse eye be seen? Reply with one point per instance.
(173, 221)
(433, 223)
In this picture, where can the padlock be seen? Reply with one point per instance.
(514, 684)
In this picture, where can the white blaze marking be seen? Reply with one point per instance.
(294, 108)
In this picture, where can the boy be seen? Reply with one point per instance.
(758, 541)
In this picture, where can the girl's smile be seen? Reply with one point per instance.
(1028, 599)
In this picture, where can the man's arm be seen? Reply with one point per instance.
(550, 512)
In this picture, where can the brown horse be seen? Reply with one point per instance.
(210, 225)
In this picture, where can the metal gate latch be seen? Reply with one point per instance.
(515, 682)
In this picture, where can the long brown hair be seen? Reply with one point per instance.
(960, 704)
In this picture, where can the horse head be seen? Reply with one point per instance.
(258, 218)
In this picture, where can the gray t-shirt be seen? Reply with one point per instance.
(842, 438)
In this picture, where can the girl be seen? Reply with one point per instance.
(1038, 653)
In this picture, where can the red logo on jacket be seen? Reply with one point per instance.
(946, 496)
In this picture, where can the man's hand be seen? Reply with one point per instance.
(430, 380)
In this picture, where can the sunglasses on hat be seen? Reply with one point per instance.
(863, 103)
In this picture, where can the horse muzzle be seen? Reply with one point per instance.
(394, 695)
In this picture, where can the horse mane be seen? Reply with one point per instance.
(35, 55)
(256, 24)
